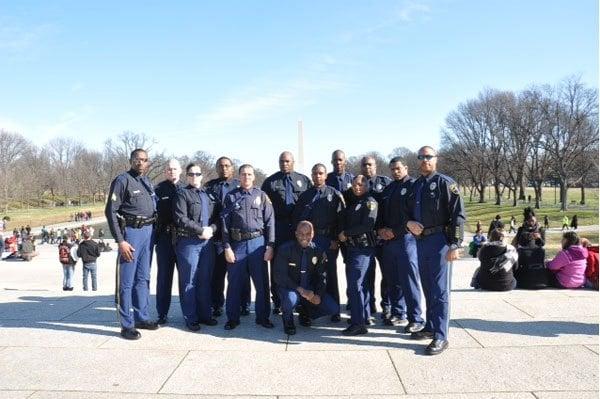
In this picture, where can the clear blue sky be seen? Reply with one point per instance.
(233, 77)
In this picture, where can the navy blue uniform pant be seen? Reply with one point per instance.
(390, 265)
(435, 278)
(196, 260)
(283, 233)
(290, 299)
(218, 282)
(165, 262)
(385, 300)
(409, 278)
(357, 266)
(332, 288)
(133, 278)
(249, 260)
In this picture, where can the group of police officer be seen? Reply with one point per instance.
(228, 227)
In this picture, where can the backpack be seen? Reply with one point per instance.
(64, 254)
(591, 272)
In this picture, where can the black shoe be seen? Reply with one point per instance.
(355, 329)
(265, 323)
(289, 329)
(420, 335)
(392, 321)
(276, 310)
(210, 322)
(130, 334)
(370, 321)
(436, 347)
(217, 311)
(162, 320)
(230, 325)
(385, 314)
(65, 289)
(336, 318)
(413, 328)
(195, 326)
(304, 320)
(373, 309)
(70, 289)
(146, 325)
(244, 311)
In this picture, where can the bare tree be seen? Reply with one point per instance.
(12, 147)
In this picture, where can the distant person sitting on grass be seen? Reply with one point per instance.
(567, 269)
(478, 240)
(530, 226)
(498, 261)
(531, 270)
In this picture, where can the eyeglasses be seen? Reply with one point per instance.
(426, 157)
(192, 174)
(140, 159)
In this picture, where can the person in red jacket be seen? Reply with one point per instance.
(591, 271)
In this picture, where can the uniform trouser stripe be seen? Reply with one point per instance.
(117, 284)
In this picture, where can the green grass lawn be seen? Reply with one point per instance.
(587, 214)
(45, 216)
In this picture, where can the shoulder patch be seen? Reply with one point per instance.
(454, 188)
(113, 197)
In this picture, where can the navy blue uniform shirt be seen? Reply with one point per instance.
(165, 195)
(392, 213)
(287, 267)
(248, 211)
(360, 216)
(340, 182)
(220, 187)
(194, 209)
(274, 187)
(130, 194)
(323, 207)
(438, 199)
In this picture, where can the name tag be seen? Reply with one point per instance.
(136, 191)
(292, 264)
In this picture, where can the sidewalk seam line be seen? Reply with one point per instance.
(590, 349)
(469, 334)
(519, 309)
(78, 310)
(173, 372)
(396, 370)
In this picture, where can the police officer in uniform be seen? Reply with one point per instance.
(359, 237)
(165, 238)
(339, 178)
(399, 259)
(323, 206)
(196, 216)
(376, 184)
(283, 189)
(300, 275)
(248, 237)
(219, 188)
(436, 219)
(130, 213)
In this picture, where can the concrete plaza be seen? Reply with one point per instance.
(520, 344)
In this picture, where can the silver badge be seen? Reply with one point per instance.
(257, 201)
(299, 183)
(378, 187)
(432, 186)
(348, 185)
(329, 197)
(357, 207)
(164, 198)
(403, 191)
(314, 260)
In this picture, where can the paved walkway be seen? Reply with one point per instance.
(521, 344)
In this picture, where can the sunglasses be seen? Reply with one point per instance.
(192, 174)
(425, 157)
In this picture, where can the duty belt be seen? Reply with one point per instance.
(138, 222)
(237, 235)
(184, 233)
(427, 231)
(363, 240)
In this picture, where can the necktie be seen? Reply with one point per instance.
(289, 191)
(304, 270)
(418, 190)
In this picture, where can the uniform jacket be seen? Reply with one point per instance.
(166, 192)
(187, 210)
(360, 216)
(441, 205)
(274, 187)
(340, 182)
(391, 212)
(324, 211)
(287, 267)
